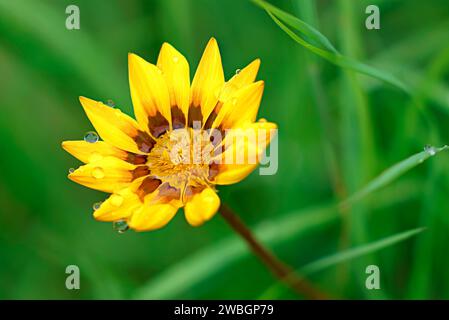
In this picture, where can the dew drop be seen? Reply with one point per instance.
(120, 226)
(116, 200)
(97, 205)
(110, 103)
(431, 150)
(91, 137)
(237, 71)
(71, 170)
(175, 59)
(234, 101)
(98, 173)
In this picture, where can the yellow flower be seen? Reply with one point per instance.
(143, 163)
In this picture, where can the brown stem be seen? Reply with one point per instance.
(281, 270)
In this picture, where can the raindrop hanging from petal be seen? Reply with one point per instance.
(121, 226)
(91, 137)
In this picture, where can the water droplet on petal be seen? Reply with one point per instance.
(98, 173)
(431, 150)
(120, 226)
(234, 101)
(110, 103)
(71, 170)
(116, 200)
(237, 71)
(159, 71)
(175, 59)
(97, 205)
(91, 137)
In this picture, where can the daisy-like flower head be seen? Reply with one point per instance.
(187, 139)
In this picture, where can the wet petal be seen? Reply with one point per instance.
(240, 80)
(245, 77)
(152, 216)
(150, 95)
(206, 84)
(108, 174)
(113, 126)
(175, 69)
(89, 152)
(240, 109)
(119, 205)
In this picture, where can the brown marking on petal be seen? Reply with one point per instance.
(157, 124)
(214, 168)
(191, 191)
(144, 141)
(211, 118)
(140, 171)
(136, 158)
(177, 118)
(195, 115)
(213, 139)
(167, 192)
(149, 185)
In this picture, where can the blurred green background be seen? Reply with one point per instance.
(337, 131)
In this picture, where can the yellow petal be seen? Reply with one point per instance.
(149, 92)
(202, 207)
(242, 108)
(244, 77)
(89, 152)
(240, 80)
(113, 126)
(207, 82)
(243, 153)
(175, 69)
(233, 173)
(152, 216)
(119, 205)
(108, 174)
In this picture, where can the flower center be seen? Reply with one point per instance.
(181, 158)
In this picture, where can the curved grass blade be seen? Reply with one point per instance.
(275, 290)
(359, 251)
(296, 23)
(328, 52)
(392, 173)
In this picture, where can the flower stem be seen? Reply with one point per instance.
(281, 270)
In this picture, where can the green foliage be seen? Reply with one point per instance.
(342, 182)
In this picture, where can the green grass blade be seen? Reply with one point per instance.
(328, 52)
(277, 289)
(296, 23)
(358, 251)
(393, 173)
